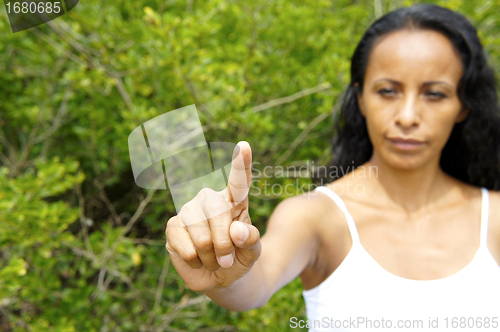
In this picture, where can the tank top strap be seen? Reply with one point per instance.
(341, 205)
(485, 211)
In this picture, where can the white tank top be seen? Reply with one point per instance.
(360, 295)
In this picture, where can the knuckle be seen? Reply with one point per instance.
(170, 233)
(204, 242)
(218, 204)
(186, 209)
(172, 245)
(205, 192)
(171, 223)
(189, 256)
(239, 186)
(169, 248)
(173, 220)
(218, 207)
(190, 212)
(224, 247)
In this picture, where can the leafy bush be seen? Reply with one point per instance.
(82, 247)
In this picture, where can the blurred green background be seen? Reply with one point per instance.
(82, 248)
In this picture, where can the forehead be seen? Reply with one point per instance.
(415, 55)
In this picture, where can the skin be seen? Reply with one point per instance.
(412, 218)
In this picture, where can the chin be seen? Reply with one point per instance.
(406, 162)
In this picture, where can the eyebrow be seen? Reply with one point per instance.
(425, 83)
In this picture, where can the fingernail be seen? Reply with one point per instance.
(242, 231)
(225, 261)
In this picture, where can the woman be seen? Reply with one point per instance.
(417, 245)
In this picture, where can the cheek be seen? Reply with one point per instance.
(440, 122)
(377, 129)
(378, 119)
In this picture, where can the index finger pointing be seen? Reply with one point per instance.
(240, 175)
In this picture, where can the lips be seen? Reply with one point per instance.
(404, 140)
(405, 144)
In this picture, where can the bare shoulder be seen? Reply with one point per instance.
(493, 239)
(310, 204)
(494, 215)
(312, 219)
(296, 234)
(310, 209)
(494, 200)
(328, 224)
(307, 230)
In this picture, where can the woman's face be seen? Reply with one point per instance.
(409, 98)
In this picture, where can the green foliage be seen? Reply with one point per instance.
(34, 261)
(82, 247)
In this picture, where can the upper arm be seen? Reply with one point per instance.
(292, 239)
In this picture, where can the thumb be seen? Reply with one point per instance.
(246, 238)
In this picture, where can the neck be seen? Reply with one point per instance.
(411, 189)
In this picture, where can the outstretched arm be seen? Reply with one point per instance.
(223, 255)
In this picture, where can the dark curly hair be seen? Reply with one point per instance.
(472, 153)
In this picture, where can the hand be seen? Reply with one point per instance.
(222, 247)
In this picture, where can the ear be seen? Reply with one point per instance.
(361, 103)
(462, 115)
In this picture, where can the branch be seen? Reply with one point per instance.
(139, 211)
(105, 199)
(81, 212)
(90, 60)
(109, 252)
(317, 120)
(159, 291)
(30, 142)
(144, 241)
(189, 6)
(185, 302)
(292, 98)
(62, 27)
(110, 270)
(6, 161)
(10, 316)
(6, 143)
(189, 84)
(209, 15)
(378, 8)
(63, 109)
(161, 282)
(55, 44)
(33, 139)
(219, 328)
(121, 88)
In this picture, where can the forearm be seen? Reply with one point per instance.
(249, 292)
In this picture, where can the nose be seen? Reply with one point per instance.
(408, 112)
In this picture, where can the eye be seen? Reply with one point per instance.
(435, 95)
(386, 92)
